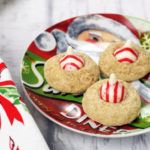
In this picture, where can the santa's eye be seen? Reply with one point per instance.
(95, 39)
(95, 36)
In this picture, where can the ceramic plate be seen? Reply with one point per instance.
(81, 33)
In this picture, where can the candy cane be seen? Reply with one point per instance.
(71, 61)
(112, 91)
(126, 54)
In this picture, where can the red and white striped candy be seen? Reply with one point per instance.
(112, 92)
(71, 62)
(126, 54)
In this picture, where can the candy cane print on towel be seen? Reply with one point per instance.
(15, 120)
(10, 110)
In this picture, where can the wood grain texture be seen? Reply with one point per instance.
(22, 20)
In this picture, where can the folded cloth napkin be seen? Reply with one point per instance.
(18, 130)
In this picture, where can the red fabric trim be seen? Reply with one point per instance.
(11, 111)
(8, 82)
(2, 67)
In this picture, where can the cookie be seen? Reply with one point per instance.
(128, 61)
(71, 77)
(111, 105)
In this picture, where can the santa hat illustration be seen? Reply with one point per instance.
(124, 30)
(115, 24)
(99, 22)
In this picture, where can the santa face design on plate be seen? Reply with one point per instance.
(100, 39)
(90, 34)
(97, 37)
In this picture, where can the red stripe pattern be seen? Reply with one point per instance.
(113, 93)
(126, 55)
(71, 62)
(2, 67)
(11, 111)
(7, 83)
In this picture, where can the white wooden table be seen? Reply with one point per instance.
(22, 20)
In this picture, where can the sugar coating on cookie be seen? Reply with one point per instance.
(74, 81)
(109, 113)
(114, 60)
